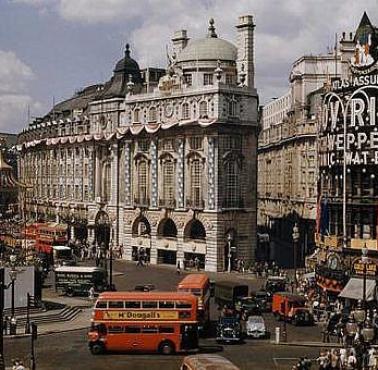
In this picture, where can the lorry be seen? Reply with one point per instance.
(228, 292)
(77, 280)
(291, 307)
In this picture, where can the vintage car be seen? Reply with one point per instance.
(255, 327)
(264, 300)
(247, 306)
(228, 330)
(302, 317)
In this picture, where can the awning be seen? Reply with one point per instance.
(354, 289)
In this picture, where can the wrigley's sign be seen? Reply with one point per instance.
(349, 121)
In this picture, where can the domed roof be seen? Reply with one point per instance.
(208, 48)
(127, 64)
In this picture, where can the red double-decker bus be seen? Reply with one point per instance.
(199, 285)
(49, 235)
(164, 322)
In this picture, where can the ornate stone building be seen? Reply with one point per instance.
(288, 159)
(154, 159)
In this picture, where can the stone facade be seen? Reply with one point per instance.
(160, 161)
(288, 158)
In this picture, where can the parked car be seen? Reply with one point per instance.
(229, 330)
(256, 328)
(264, 300)
(247, 306)
(275, 284)
(302, 317)
(144, 287)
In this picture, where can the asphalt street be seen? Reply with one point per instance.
(69, 350)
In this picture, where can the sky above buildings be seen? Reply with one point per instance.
(51, 48)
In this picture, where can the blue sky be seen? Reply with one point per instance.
(54, 47)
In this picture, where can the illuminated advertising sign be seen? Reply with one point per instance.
(350, 120)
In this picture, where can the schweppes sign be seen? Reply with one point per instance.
(140, 315)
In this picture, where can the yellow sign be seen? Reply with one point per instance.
(140, 315)
(371, 268)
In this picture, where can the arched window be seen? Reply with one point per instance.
(232, 185)
(195, 230)
(168, 172)
(203, 109)
(152, 116)
(141, 227)
(136, 116)
(142, 181)
(185, 111)
(195, 184)
(167, 228)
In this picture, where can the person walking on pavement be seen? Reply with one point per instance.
(197, 263)
(178, 268)
(91, 293)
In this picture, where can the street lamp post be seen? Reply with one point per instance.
(295, 245)
(111, 265)
(13, 276)
(365, 261)
(229, 241)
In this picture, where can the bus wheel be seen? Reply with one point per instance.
(97, 349)
(166, 348)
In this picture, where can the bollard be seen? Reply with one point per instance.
(277, 335)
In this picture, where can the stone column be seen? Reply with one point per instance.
(114, 169)
(91, 175)
(180, 174)
(154, 174)
(212, 172)
(128, 181)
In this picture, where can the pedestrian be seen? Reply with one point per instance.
(242, 265)
(352, 361)
(178, 268)
(372, 360)
(91, 293)
(120, 251)
(197, 263)
(20, 366)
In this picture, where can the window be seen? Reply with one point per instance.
(132, 304)
(116, 304)
(229, 79)
(86, 194)
(143, 145)
(208, 79)
(149, 330)
(166, 304)
(115, 329)
(232, 184)
(136, 118)
(168, 180)
(185, 111)
(166, 330)
(149, 304)
(195, 182)
(167, 144)
(85, 169)
(132, 329)
(142, 180)
(232, 108)
(183, 304)
(188, 79)
(203, 109)
(102, 304)
(152, 116)
(195, 143)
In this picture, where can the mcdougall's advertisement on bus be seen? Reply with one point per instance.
(140, 315)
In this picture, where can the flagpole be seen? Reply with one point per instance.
(344, 182)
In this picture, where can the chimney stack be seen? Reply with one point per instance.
(245, 44)
(179, 41)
